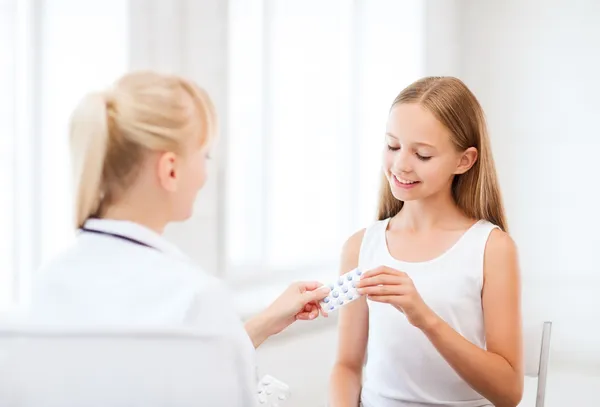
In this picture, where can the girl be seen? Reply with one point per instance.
(439, 323)
(139, 156)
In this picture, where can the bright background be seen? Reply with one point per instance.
(303, 90)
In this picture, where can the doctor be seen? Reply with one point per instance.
(139, 154)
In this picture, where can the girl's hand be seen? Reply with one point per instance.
(394, 287)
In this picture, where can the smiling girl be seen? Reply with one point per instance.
(439, 323)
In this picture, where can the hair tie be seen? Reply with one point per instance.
(109, 99)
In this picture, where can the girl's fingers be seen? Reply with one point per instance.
(386, 299)
(381, 290)
(385, 271)
(381, 279)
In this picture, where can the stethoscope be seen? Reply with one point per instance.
(117, 236)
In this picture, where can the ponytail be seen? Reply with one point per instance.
(112, 132)
(89, 142)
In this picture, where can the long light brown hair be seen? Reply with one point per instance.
(111, 131)
(476, 192)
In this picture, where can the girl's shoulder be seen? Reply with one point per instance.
(375, 230)
(364, 243)
(500, 242)
(352, 245)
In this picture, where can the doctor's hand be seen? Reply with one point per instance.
(396, 288)
(300, 301)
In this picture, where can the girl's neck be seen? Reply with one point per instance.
(436, 211)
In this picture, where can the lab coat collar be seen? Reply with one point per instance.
(137, 232)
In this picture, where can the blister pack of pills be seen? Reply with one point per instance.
(272, 392)
(343, 291)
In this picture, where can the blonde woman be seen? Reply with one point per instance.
(439, 320)
(139, 154)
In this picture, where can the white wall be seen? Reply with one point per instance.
(534, 65)
(443, 45)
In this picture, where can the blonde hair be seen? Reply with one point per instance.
(111, 131)
(476, 192)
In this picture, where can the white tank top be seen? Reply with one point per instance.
(403, 368)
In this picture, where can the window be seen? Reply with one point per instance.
(52, 52)
(8, 32)
(84, 48)
(311, 83)
(17, 152)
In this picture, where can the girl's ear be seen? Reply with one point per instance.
(467, 159)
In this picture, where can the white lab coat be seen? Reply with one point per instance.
(103, 280)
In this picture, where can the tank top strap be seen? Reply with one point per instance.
(477, 236)
(373, 245)
(471, 247)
